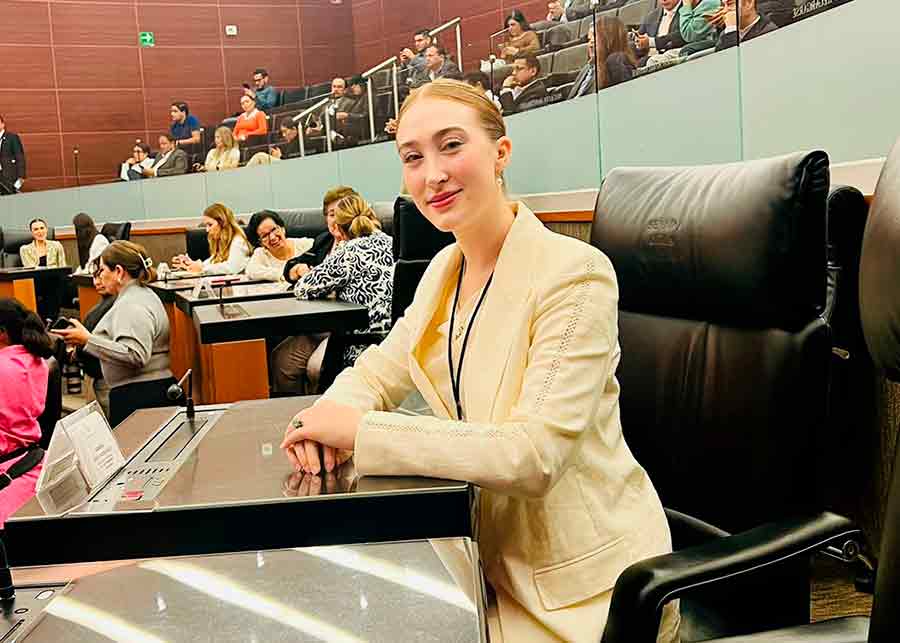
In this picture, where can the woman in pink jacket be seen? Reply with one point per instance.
(24, 345)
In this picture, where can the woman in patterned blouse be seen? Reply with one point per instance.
(360, 271)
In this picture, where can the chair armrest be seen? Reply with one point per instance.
(644, 587)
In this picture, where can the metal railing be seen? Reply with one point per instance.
(301, 133)
(367, 76)
(456, 22)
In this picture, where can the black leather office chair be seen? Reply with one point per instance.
(416, 242)
(53, 405)
(196, 243)
(116, 231)
(725, 357)
(743, 555)
(13, 239)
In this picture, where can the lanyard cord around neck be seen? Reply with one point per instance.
(456, 378)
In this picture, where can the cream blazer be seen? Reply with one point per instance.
(56, 255)
(564, 507)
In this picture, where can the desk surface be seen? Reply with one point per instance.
(424, 590)
(278, 317)
(167, 289)
(237, 293)
(13, 274)
(83, 280)
(235, 491)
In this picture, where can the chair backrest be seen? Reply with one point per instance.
(196, 243)
(632, 13)
(309, 222)
(13, 239)
(569, 59)
(559, 36)
(53, 404)
(721, 273)
(879, 299)
(116, 231)
(546, 61)
(416, 242)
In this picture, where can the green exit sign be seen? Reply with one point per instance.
(147, 39)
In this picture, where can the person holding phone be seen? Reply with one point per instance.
(24, 349)
(512, 341)
(228, 246)
(131, 341)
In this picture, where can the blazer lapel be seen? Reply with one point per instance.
(433, 298)
(499, 319)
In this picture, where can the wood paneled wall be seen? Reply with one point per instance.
(74, 74)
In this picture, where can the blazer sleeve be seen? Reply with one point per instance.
(177, 164)
(238, 257)
(27, 256)
(329, 276)
(672, 40)
(60, 254)
(572, 356)
(692, 21)
(258, 268)
(132, 338)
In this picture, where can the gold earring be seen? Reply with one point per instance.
(500, 181)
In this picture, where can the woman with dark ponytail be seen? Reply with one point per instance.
(24, 347)
(132, 339)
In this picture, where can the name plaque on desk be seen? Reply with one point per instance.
(83, 454)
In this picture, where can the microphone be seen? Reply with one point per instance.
(176, 392)
(7, 589)
(77, 173)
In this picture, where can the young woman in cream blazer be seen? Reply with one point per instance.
(41, 248)
(564, 507)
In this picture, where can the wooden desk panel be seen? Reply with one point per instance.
(87, 299)
(182, 341)
(233, 371)
(21, 289)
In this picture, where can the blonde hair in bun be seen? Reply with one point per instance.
(355, 217)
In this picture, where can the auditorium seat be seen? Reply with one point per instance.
(546, 61)
(14, 239)
(53, 403)
(116, 231)
(291, 96)
(319, 91)
(584, 25)
(559, 37)
(737, 558)
(632, 13)
(416, 242)
(725, 358)
(570, 59)
(382, 80)
(253, 144)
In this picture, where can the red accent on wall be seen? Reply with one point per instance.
(74, 74)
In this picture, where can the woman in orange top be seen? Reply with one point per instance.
(252, 122)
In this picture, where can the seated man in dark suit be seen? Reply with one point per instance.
(437, 65)
(660, 31)
(170, 160)
(523, 89)
(742, 25)
(781, 12)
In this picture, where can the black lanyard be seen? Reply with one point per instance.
(456, 379)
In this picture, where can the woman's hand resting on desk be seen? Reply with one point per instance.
(183, 262)
(330, 424)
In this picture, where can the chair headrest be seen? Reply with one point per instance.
(414, 236)
(879, 292)
(742, 244)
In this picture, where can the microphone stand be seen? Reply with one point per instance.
(176, 391)
(7, 589)
(77, 173)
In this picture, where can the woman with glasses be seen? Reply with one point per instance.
(134, 166)
(131, 341)
(265, 232)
